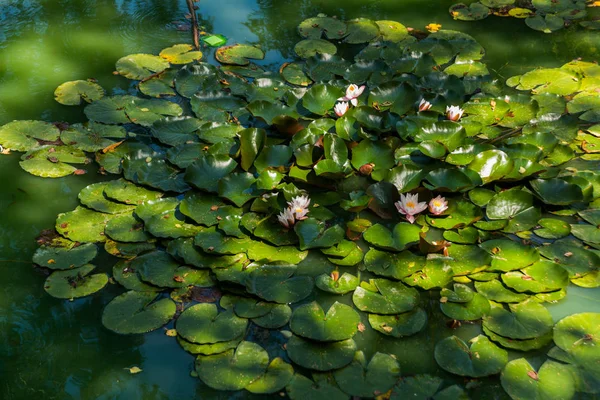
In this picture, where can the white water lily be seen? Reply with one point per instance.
(438, 205)
(409, 206)
(352, 93)
(286, 218)
(453, 113)
(341, 108)
(299, 207)
(424, 105)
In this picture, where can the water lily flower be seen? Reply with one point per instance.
(424, 105)
(453, 113)
(433, 27)
(341, 108)
(299, 207)
(286, 218)
(409, 206)
(438, 205)
(352, 93)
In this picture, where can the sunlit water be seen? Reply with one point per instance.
(54, 349)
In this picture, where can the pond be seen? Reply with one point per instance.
(59, 349)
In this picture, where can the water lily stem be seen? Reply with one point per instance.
(192, 8)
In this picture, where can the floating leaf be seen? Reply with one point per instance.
(311, 322)
(481, 358)
(76, 282)
(73, 92)
(135, 312)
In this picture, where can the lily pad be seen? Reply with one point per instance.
(552, 381)
(203, 323)
(391, 298)
(577, 334)
(481, 358)
(279, 284)
(233, 369)
(278, 375)
(300, 387)
(363, 379)
(508, 255)
(73, 92)
(525, 320)
(82, 225)
(321, 356)
(76, 282)
(238, 54)
(137, 312)
(24, 135)
(61, 258)
(180, 54)
(140, 66)
(314, 28)
(311, 322)
(400, 325)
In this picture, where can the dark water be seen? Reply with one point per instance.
(54, 349)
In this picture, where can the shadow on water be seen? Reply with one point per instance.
(54, 349)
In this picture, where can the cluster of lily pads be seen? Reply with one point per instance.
(542, 15)
(245, 205)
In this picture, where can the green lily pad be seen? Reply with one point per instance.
(525, 320)
(233, 369)
(343, 284)
(93, 197)
(517, 344)
(557, 191)
(460, 213)
(278, 375)
(400, 325)
(203, 323)
(481, 358)
(238, 187)
(321, 356)
(471, 310)
(82, 225)
(577, 261)
(473, 12)
(76, 282)
(508, 255)
(279, 284)
(209, 348)
(543, 276)
(207, 171)
(310, 47)
(160, 269)
(140, 66)
(418, 387)
(402, 236)
(180, 54)
(60, 258)
(437, 273)
(92, 136)
(277, 317)
(127, 192)
(300, 387)
(311, 322)
(547, 23)
(129, 279)
(321, 98)
(361, 30)
(314, 28)
(552, 381)
(73, 92)
(392, 265)
(294, 74)
(238, 54)
(24, 135)
(391, 298)
(314, 234)
(491, 165)
(363, 379)
(126, 228)
(552, 228)
(494, 290)
(127, 250)
(137, 312)
(176, 130)
(577, 334)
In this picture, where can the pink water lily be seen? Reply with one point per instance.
(299, 207)
(438, 205)
(286, 218)
(424, 105)
(341, 108)
(409, 206)
(352, 93)
(453, 113)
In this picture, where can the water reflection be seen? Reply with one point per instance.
(53, 349)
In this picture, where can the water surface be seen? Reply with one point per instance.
(54, 349)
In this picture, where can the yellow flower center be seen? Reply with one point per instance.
(437, 203)
(299, 210)
(410, 204)
(352, 87)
